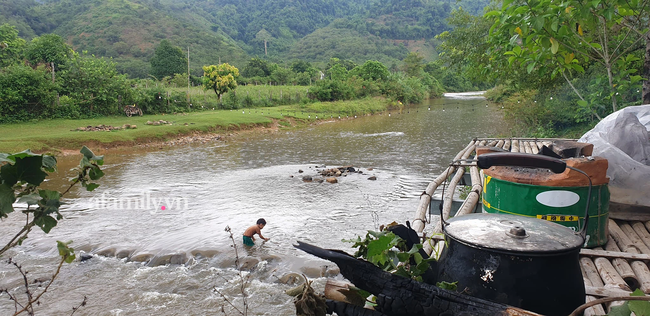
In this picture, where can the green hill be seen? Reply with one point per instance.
(129, 32)
(345, 43)
(233, 30)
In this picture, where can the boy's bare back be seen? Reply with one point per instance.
(250, 231)
(255, 229)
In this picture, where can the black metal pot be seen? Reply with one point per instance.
(520, 261)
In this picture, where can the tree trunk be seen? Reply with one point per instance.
(611, 85)
(646, 73)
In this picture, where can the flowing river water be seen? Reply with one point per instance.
(149, 260)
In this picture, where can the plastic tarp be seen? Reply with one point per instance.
(622, 138)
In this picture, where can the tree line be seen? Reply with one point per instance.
(46, 78)
(557, 66)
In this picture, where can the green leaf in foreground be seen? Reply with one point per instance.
(45, 222)
(30, 199)
(29, 170)
(7, 199)
(447, 286)
(376, 247)
(65, 251)
(639, 308)
(88, 154)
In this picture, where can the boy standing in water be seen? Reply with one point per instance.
(249, 239)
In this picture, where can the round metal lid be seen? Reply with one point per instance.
(512, 233)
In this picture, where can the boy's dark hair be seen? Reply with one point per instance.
(261, 221)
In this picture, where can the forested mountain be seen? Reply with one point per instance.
(234, 30)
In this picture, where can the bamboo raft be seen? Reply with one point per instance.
(614, 270)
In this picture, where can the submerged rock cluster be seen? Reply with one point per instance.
(330, 175)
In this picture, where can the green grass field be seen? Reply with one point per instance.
(51, 135)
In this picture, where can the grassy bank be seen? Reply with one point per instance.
(535, 114)
(245, 96)
(58, 134)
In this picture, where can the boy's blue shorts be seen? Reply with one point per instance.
(248, 241)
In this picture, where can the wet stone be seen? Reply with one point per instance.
(143, 257)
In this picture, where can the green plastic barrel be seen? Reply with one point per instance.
(563, 205)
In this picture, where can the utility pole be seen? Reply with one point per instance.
(188, 77)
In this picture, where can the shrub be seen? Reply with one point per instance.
(433, 86)
(25, 93)
(499, 93)
(152, 100)
(406, 90)
(95, 85)
(248, 101)
(67, 108)
(331, 90)
(231, 101)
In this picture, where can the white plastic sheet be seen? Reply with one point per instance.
(622, 138)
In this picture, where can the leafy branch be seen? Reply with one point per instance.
(390, 253)
(20, 176)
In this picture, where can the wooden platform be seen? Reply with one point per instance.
(614, 270)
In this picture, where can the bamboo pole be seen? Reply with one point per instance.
(482, 142)
(425, 198)
(624, 242)
(448, 197)
(594, 310)
(608, 274)
(533, 138)
(446, 207)
(473, 197)
(527, 148)
(642, 232)
(605, 291)
(590, 272)
(634, 237)
(642, 274)
(533, 148)
(515, 146)
(506, 144)
(492, 143)
(500, 143)
(597, 252)
(539, 145)
(622, 266)
(475, 176)
(469, 205)
(449, 194)
(640, 269)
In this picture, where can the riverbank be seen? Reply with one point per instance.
(62, 135)
(534, 114)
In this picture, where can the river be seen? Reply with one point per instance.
(172, 205)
